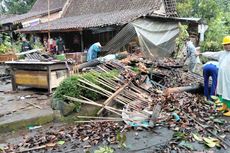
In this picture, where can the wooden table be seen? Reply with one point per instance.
(46, 75)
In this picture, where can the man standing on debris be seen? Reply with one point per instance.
(210, 69)
(223, 83)
(93, 51)
(191, 50)
(25, 45)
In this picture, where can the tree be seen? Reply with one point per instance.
(217, 15)
(16, 6)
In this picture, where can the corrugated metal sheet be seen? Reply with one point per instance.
(121, 39)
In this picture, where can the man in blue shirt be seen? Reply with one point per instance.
(210, 69)
(93, 51)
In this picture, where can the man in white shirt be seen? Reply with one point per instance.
(223, 83)
(191, 56)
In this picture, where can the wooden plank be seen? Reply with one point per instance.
(55, 79)
(13, 82)
(7, 57)
(49, 79)
(32, 78)
(29, 51)
(29, 63)
(34, 105)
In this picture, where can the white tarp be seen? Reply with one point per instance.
(156, 38)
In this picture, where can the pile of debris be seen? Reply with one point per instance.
(151, 93)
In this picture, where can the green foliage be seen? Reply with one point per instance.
(71, 86)
(215, 12)
(214, 35)
(3, 49)
(180, 40)
(105, 149)
(121, 138)
(5, 43)
(16, 6)
(179, 136)
(36, 43)
(185, 8)
(135, 69)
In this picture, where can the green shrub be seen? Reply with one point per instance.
(4, 49)
(70, 86)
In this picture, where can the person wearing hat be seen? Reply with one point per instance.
(223, 81)
(93, 51)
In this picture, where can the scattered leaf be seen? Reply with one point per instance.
(220, 121)
(215, 98)
(61, 142)
(186, 144)
(197, 137)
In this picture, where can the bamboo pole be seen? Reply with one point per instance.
(34, 105)
(107, 95)
(96, 104)
(94, 121)
(109, 100)
(94, 85)
(106, 85)
(93, 117)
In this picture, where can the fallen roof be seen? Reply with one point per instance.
(39, 9)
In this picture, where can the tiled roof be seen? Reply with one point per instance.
(42, 5)
(39, 9)
(82, 7)
(91, 20)
(94, 13)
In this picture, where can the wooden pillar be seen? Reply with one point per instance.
(13, 81)
(49, 79)
(82, 41)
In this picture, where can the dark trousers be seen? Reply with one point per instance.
(210, 70)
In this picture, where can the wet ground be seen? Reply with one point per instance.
(146, 141)
(18, 109)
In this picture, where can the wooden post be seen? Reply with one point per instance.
(14, 86)
(82, 41)
(48, 25)
(49, 79)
